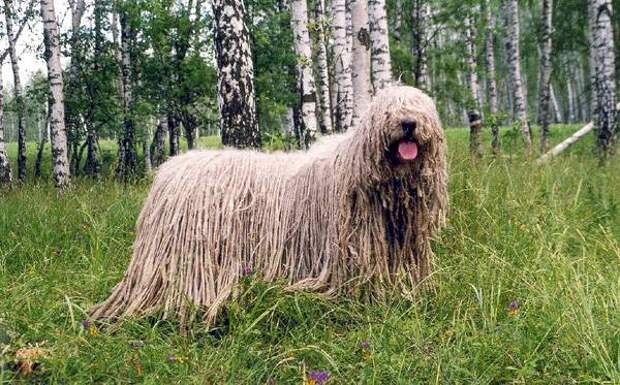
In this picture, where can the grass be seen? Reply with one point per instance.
(544, 239)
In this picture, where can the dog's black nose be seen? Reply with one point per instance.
(408, 127)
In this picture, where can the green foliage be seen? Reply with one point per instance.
(174, 66)
(35, 98)
(402, 63)
(92, 94)
(274, 60)
(526, 291)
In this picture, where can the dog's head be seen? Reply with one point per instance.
(400, 146)
(403, 133)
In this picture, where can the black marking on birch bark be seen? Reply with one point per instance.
(364, 37)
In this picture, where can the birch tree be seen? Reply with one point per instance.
(544, 105)
(421, 18)
(325, 112)
(42, 123)
(557, 111)
(92, 166)
(343, 108)
(56, 95)
(398, 19)
(380, 43)
(305, 77)
(239, 126)
(360, 67)
(173, 134)
(72, 103)
(491, 77)
(6, 175)
(5, 166)
(511, 14)
(475, 118)
(602, 57)
(159, 155)
(127, 149)
(571, 100)
(119, 84)
(188, 26)
(146, 150)
(9, 15)
(581, 87)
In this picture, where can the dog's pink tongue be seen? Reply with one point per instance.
(407, 150)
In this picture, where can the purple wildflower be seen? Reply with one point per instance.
(365, 346)
(513, 308)
(247, 271)
(318, 377)
(90, 328)
(171, 358)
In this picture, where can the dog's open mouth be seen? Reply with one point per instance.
(407, 150)
(404, 151)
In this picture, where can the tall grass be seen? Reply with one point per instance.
(527, 291)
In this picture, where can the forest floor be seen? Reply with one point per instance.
(527, 291)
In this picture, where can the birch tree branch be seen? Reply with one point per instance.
(577, 136)
(20, 29)
(557, 150)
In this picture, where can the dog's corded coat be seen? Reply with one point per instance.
(344, 217)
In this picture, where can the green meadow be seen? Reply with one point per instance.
(527, 290)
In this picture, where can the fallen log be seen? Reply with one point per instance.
(557, 150)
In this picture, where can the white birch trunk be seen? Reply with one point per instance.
(146, 148)
(557, 150)
(603, 58)
(5, 166)
(583, 100)
(398, 19)
(491, 77)
(9, 14)
(545, 74)
(571, 101)
(117, 52)
(380, 42)
(579, 101)
(592, 65)
(119, 84)
(349, 24)
(73, 118)
(343, 108)
(325, 115)
(557, 111)
(288, 123)
(511, 12)
(161, 131)
(303, 50)
(362, 89)
(127, 155)
(238, 123)
(43, 137)
(475, 118)
(490, 61)
(421, 17)
(77, 11)
(56, 95)
(472, 62)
